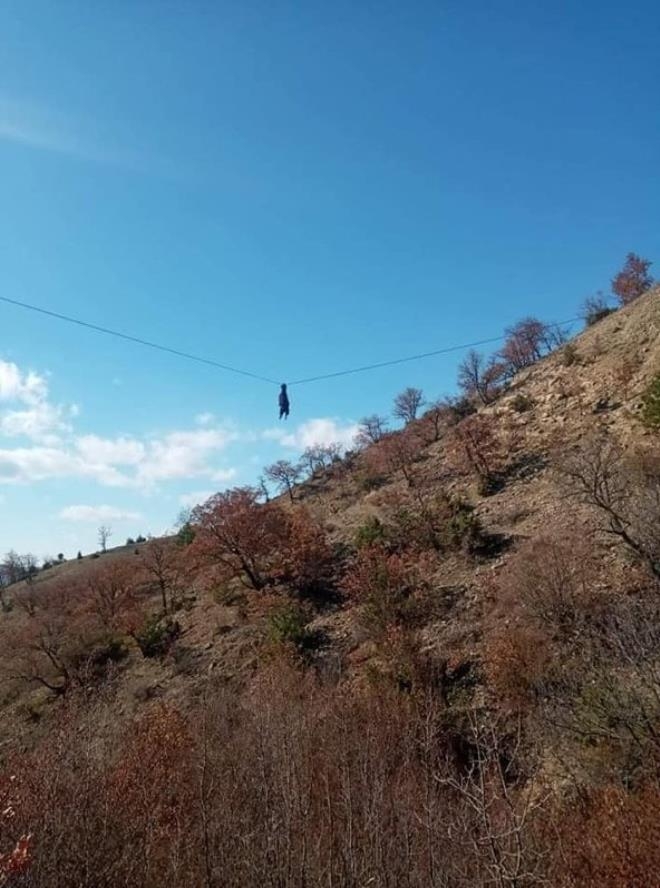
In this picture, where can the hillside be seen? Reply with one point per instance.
(449, 672)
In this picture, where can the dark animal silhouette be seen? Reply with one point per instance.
(284, 403)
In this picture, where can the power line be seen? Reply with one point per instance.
(308, 379)
(419, 357)
(155, 345)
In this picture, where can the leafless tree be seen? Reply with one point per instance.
(320, 456)
(595, 308)
(104, 534)
(407, 404)
(370, 430)
(262, 489)
(285, 474)
(164, 565)
(498, 811)
(624, 491)
(527, 342)
(430, 426)
(479, 377)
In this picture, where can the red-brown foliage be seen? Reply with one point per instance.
(396, 452)
(527, 342)
(15, 848)
(234, 530)
(477, 446)
(307, 563)
(611, 839)
(48, 648)
(110, 592)
(516, 658)
(633, 280)
(385, 585)
(553, 578)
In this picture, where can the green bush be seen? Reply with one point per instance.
(651, 405)
(288, 626)
(157, 636)
(463, 527)
(186, 534)
(372, 531)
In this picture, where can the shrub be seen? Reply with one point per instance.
(570, 355)
(369, 481)
(463, 528)
(372, 531)
(522, 403)
(595, 308)
(477, 447)
(550, 576)
(516, 660)
(157, 636)
(385, 585)
(307, 559)
(105, 653)
(288, 627)
(394, 453)
(651, 405)
(459, 408)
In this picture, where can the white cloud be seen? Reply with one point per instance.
(32, 415)
(95, 514)
(183, 454)
(28, 388)
(103, 451)
(44, 422)
(315, 431)
(36, 464)
(51, 449)
(195, 497)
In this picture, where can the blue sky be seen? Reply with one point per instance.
(289, 188)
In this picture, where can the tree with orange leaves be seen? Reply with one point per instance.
(633, 280)
(307, 558)
(238, 532)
